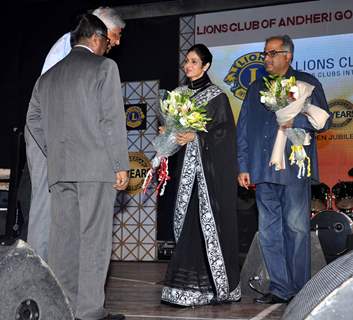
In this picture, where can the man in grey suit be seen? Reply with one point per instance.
(77, 117)
(39, 215)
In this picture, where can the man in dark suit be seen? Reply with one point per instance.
(282, 199)
(76, 115)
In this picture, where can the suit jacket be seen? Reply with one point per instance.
(76, 115)
(257, 129)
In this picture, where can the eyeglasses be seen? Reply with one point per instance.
(272, 53)
(104, 36)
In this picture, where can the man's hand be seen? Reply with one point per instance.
(122, 180)
(185, 137)
(288, 124)
(244, 179)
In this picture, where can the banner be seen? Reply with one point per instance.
(323, 37)
(299, 20)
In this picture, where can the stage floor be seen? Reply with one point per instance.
(133, 288)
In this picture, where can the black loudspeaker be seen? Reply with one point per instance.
(254, 277)
(29, 289)
(254, 272)
(327, 296)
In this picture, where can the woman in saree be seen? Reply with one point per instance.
(204, 268)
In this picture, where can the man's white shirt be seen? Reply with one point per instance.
(58, 51)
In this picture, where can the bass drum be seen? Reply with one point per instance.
(333, 228)
(319, 196)
(343, 192)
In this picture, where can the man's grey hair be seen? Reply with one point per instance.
(110, 17)
(287, 42)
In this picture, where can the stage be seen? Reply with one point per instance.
(133, 288)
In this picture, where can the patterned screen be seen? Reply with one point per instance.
(134, 231)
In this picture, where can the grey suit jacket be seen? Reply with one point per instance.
(76, 115)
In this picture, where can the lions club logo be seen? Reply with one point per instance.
(135, 116)
(139, 165)
(243, 72)
(342, 112)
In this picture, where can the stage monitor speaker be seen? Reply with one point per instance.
(254, 275)
(327, 296)
(29, 289)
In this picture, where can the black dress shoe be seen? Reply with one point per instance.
(270, 298)
(114, 317)
(111, 317)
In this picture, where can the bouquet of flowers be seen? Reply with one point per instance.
(180, 113)
(288, 97)
(280, 92)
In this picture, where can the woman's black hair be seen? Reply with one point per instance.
(202, 51)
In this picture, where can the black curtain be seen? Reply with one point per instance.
(148, 51)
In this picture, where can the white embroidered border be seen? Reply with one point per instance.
(185, 188)
(193, 163)
(189, 298)
(186, 297)
(206, 95)
(209, 229)
(235, 295)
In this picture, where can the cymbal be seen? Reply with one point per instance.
(350, 172)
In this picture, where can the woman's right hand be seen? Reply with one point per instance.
(183, 138)
(161, 130)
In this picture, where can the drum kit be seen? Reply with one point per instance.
(332, 217)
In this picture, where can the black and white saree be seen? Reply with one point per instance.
(204, 268)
